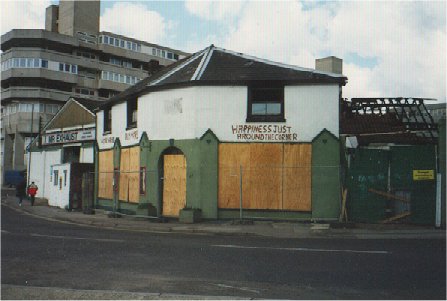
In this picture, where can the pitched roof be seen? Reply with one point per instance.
(89, 104)
(84, 113)
(218, 66)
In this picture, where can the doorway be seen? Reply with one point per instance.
(173, 182)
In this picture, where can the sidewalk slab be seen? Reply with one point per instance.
(255, 228)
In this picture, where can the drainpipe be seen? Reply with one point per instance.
(29, 145)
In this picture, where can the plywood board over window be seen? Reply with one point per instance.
(105, 176)
(134, 176)
(129, 186)
(263, 177)
(124, 176)
(174, 184)
(297, 177)
(274, 176)
(231, 157)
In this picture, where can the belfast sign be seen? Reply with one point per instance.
(68, 136)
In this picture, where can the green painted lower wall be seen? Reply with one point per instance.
(104, 204)
(201, 173)
(123, 207)
(325, 177)
(258, 214)
(202, 179)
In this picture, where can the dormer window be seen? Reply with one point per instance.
(132, 110)
(265, 104)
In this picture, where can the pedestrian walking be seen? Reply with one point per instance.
(21, 191)
(32, 190)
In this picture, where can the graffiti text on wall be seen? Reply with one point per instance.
(109, 139)
(264, 132)
(131, 135)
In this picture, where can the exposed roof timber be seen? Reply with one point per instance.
(410, 112)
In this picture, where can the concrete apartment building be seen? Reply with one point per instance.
(42, 69)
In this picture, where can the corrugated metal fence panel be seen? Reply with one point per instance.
(403, 161)
(369, 169)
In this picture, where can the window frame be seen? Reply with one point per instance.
(251, 90)
(107, 121)
(132, 106)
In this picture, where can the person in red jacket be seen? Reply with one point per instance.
(32, 190)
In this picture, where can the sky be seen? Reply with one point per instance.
(389, 48)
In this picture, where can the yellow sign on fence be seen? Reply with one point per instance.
(419, 175)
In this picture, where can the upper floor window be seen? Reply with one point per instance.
(84, 91)
(68, 68)
(132, 109)
(119, 78)
(107, 120)
(24, 63)
(265, 104)
(116, 42)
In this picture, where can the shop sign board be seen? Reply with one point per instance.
(69, 136)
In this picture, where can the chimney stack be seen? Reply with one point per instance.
(329, 64)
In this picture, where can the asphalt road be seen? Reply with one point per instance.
(58, 260)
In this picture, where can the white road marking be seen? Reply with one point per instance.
(302, 249)
(5, 232)
(76, 238)
(238, 288)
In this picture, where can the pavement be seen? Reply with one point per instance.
(279, 229)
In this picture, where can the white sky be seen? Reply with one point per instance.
(389, 48)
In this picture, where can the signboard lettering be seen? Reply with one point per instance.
(70, 136)
(264, 132)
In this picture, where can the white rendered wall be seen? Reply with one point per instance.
(51, 158)
(188, 112)
(312, 108)
(36, 172)
(86, 155)
(40, 171)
